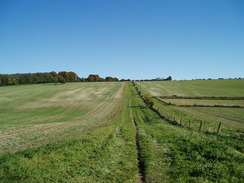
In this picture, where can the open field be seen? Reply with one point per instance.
(193, 94)
(106, 153)
(34, 114)
(209, 88)
(113, 137)
(192, 102)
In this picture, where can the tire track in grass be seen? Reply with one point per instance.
(141, 163)
(151, 157)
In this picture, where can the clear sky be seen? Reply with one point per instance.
(136, 39)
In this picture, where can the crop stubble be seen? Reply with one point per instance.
(91, 107)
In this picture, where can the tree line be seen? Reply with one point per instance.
(49, 77)
(97, 78)
(157, 79)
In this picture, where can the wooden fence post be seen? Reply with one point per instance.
(200, 126)
(218, 128)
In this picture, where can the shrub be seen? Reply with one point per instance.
(149, 101)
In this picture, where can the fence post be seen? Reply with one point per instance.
(200, 126)
(218, 128)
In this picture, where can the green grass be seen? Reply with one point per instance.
(217, 88)
(205, 102)
(231, 118)
(32, 114)
(104, 154)
(178, 154)
(116, 150)
(226, 112)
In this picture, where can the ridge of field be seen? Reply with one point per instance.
(34, 114)
(208, 88)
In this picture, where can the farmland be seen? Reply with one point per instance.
(217, 88)
(104, 132)
(210, 101)
(34, 114)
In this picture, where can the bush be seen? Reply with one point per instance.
(149, 101)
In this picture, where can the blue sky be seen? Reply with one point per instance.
(136, 39)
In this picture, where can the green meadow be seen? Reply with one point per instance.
(217, 88)
(33, 114)
(209, 101)
(104, 132)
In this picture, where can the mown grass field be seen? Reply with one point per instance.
(108, 135)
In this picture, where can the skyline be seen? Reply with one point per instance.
(124, 39)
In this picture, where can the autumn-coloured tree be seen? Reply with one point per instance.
(61, 79)
(51, 77)
(109, 78)
(93, 77)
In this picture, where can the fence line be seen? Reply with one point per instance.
(172, 119)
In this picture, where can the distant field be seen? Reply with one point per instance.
(219, 88)
(232, 118)
(205, 102)
(36, 114)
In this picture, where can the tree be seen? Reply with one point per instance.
(65, 75)
(168, 78)
(109, 78)
(93, 77)
(73, 77)
(61, 79)
(48, 77)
